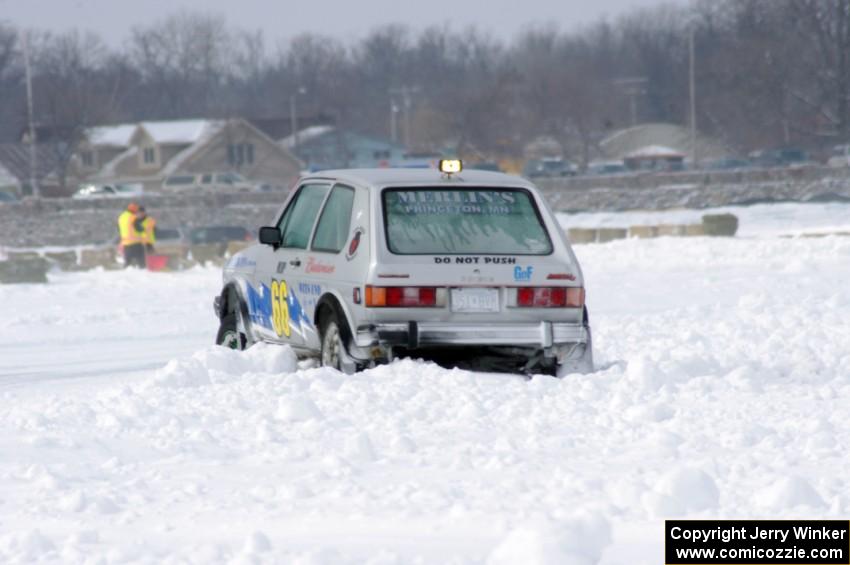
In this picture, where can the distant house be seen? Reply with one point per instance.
(148, 153)
(673, 139)
(328, 147)
(15, 169)
(100, 145)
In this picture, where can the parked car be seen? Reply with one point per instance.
(781, 157)
(108, 190)
(727, 164)
(219, 234)
(486, 166)
(549, 167)
(215, 181)
(360, 267)
(7, 197)
(840, 156)
(600, 168)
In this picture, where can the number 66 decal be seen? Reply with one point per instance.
(280, 308)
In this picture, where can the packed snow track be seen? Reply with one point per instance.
(722, 390)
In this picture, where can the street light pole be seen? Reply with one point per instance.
(293, 115)
(407, 104)
(406, 93)
(393, 121)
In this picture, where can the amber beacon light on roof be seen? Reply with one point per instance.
(450, 166)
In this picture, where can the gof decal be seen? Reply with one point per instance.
(521, 274)
(355, 244)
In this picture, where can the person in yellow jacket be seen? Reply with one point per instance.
(131, 240)
(146, 228)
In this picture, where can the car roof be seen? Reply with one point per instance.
(380, 178)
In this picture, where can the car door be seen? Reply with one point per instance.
(282, 269)
(325, 268)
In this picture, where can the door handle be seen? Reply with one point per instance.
(295, 262)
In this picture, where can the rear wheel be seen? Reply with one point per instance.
(332, 345)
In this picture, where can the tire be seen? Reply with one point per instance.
(332, 342)
(231, 332)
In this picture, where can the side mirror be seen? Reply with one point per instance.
(270, 235)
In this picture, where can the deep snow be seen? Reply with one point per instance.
(722, 390)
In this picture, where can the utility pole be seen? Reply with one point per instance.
(694, 154)
(36, 192)
(406, 93)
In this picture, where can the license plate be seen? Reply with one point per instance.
(475, 300)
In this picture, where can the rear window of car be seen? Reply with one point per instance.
(460, 221)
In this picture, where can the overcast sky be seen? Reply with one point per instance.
(281, 20)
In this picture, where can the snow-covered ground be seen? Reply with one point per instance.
(722, 390)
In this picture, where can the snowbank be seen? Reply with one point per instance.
(758, 220)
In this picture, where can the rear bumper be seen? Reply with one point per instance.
(434, 334)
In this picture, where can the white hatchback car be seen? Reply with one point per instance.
(359, 267)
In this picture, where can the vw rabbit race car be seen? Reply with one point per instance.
(466, 268)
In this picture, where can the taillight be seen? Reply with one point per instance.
(401, 296)
(549, 297)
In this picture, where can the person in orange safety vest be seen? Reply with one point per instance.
(146, 227)
(132, 245)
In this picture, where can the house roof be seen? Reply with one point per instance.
(281, 126)
(118, 135)
(655, 151)
(179, 132)
(15, 159)
(625, 142)
(207, 132)
(306, 134)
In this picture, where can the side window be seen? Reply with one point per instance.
(300, 215)
(332, 230)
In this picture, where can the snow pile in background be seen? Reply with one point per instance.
(722, 390)
(758, 220)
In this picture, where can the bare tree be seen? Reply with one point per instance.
(823, 27)
(71, 91)
(768, 72)
(183, 60)
(11, 91)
